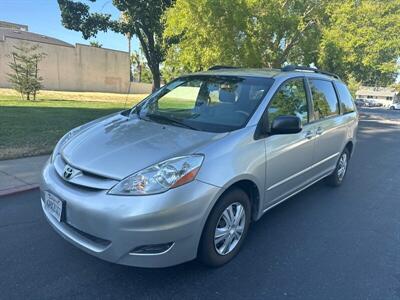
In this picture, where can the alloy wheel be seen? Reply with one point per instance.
(342, 166)
(230, 228)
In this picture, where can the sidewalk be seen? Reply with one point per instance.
(17, 175)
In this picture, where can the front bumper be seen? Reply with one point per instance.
(110, 227)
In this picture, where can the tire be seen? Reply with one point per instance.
(391, 108)
(212, 253)
(338, 175)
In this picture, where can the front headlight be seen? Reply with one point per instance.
(160, 177)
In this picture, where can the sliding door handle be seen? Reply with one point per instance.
(309, 134)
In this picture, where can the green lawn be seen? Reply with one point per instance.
(29, 128)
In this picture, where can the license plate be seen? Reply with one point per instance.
(53, 205)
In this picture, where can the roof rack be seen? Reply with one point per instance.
(290, 68)
(221, 67)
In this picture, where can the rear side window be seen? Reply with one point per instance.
(346, 100)
(324, 98)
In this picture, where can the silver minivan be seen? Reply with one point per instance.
(184, 172)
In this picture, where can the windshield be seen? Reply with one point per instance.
(207, 103)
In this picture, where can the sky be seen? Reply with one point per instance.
(44, 17)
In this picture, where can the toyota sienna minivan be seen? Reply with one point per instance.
(183, 173)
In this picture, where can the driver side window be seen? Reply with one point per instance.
(290, 100)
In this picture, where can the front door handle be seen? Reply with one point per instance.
(309, 134)
(319, 131)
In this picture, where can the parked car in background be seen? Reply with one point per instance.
(372, 103)
(394, 105)
(360, 102)
(183, 173)
(368, 103)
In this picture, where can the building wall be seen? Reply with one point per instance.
(367, 96)
(79, 68)
(141, 88)
(386, 99)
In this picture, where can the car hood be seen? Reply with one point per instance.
(118, 146)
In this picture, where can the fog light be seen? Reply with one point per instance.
(152, 249)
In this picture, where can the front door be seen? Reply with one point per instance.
(289, 156)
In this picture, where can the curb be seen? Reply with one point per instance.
(20, 189)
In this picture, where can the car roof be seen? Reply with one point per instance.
(265, 73)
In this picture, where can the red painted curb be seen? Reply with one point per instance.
(19, 189)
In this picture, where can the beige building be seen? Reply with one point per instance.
(69, 67)
(384, 95)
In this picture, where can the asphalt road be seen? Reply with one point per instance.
(325, 243)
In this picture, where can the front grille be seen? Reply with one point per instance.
(84, 178)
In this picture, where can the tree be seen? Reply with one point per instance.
(396, 87)
(265, 33)
(96, 44)
(142, 18)
(362, 40)
(353, 85)
(141, 70)
(358, 40)
(24, 63)
(137, 62)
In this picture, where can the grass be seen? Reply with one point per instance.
(29, 128)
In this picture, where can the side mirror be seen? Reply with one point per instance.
(286, 125)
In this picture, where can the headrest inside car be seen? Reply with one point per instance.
(226, 96)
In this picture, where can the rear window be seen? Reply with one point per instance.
(346, 100)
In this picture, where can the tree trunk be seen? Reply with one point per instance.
(140, 72)
(155, 71)
(151, 55)
(277, 63)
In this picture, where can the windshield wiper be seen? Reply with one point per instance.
(169, 120)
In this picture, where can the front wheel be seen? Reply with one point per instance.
(391, 108)
(336, 178)
(226, 228)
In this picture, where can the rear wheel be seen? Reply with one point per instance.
(226, 228)
(392, 107)
(336, 178)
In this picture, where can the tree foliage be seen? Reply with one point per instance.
(356, 39)
(362, 40)
(24, 64)
(96, 44)
(141, 18)
(252, 33)
(141, 71)
(396, 87)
